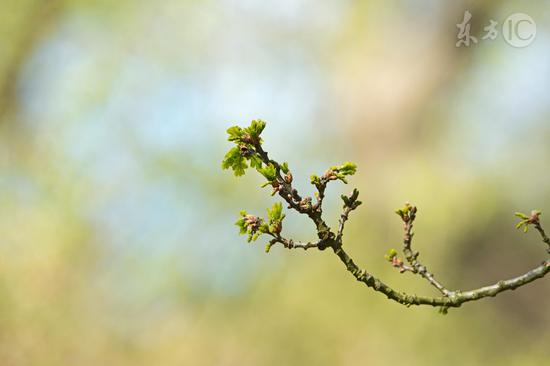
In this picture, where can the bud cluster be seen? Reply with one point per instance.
(407, 213)
(532, 219)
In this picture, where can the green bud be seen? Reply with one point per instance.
(392, 253)
(521, 215)
(269, 172)
(315, 180)
(284, 167)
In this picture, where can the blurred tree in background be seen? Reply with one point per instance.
(117, 239)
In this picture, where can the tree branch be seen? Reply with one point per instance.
(454, 300)
(249, 150)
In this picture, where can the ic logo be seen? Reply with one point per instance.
(519, 30)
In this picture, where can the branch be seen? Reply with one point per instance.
(350, 204)
(291, 244)
(454, 300)
(545, 238)
(249, 151)
(408, 215)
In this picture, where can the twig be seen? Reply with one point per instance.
(408, 215)
(291, 244)
(545, 238)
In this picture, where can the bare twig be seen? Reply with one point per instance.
(545, 238)
(350, 204)
(408, 215)
(291, 244)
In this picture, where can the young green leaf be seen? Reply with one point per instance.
(284, 167)
(234, 160)
(275, 216)
(256, 128)
(235, 133)
(269, 172)
(347, 168)
(315, 180)
(255, 161)
(344, 170)
(276, 212)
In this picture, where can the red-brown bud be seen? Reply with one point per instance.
(288, 178)
(277, 227)
(535, 216)
(329, 175)
(245, 150)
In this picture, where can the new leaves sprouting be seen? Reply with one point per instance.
(533, 219)
(247, 141)
(252, 225)
(276, 217)
(255, 226)
(235, 160)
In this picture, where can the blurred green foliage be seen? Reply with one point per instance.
(117, 242)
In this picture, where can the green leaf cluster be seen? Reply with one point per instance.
(244, 153)
(236, 161)
(247, 135)
(403, 211)
(351, 200)
(344, 170)
(406, 212)
(251, 225)
(315, 180)
(254, 226)
(255, 130)
(275, 216)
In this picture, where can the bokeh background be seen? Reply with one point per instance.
(118, 244)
